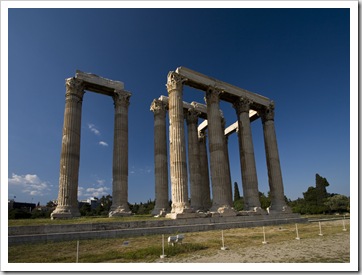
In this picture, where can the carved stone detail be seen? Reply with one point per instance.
(158, 107)
(192, 116)
(242, 105)
(121, 98)
(212, 95)
(267, 113)
(174, 82)
(74, 87)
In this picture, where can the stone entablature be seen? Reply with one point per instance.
(228, 92)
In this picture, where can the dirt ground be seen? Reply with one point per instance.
(320, 249)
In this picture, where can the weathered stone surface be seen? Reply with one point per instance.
(97, 83)
(194, 159)
(203, 82)
(247, 158)
(69, 161)
(278, 202)
(159, 109)
(204, 171)
(178, 163)
(219, 173)
(120, 155)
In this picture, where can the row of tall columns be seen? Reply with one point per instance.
(219, 159)
(70, 155)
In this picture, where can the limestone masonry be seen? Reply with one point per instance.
(69, 162)
(192, 172)
(249, 107)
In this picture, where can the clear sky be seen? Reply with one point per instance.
(300, 58)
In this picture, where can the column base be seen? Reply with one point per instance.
(65, 212)
(223, 211)
(119, 212)
(181, 208)
(160, 212)
(175, 216)
(279, 209)
(254, 212)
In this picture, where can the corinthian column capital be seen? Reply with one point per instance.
(267, 113)
(192, 116)
(158, 107)
(74, 87)
(242, 104)
(121, 98)
(212, 95)
(174, 82)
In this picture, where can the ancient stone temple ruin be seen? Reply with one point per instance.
(249, 107)
(69, 162)
(192, 172)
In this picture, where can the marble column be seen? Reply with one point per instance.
(247, 158)
(160, 147)
(204, 172)
(278, 203)
(120, 155)
(194, 159)
(69, 161)
(220, 193)
(178, 165)
(227, 165)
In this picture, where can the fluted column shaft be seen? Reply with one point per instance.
(69, 161)
(160, 147)
(217, 155)
(120, 155)
(227, 165)
(204, 172)
(273, 163)
(194, 159)
(247, 158)
(178, 165)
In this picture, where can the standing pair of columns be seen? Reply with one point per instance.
(69, 162)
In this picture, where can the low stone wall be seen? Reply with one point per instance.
(45, 233)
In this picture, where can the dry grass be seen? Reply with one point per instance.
(80, 220)
(245, 245)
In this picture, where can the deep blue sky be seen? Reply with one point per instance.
(297, 57)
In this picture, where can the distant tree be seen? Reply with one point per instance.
(320, 188)
(19, 214)
(239, 204)
(315, 197)
(236, 192)
(337, 203)
(85, 210)
(264, 201)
